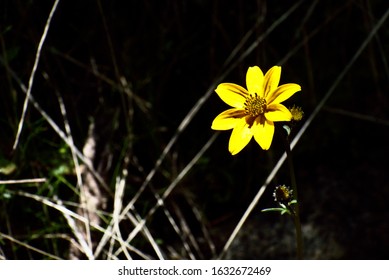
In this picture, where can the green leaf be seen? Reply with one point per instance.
(7, 168)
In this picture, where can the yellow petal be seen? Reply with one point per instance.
(263, 131)
(282, 93)
(272, 79)
(227, 119)
(254, 80)
(232, 94)
(278, 113)
(240, 137)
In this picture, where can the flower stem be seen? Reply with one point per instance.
(296, 212)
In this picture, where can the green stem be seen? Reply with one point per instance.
(296, 214)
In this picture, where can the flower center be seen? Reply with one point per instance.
(255, 105)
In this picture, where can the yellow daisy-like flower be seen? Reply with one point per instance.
(255, 109)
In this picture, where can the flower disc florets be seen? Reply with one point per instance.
(255, 105)
(283, 194)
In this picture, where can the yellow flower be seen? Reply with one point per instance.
(255, 109)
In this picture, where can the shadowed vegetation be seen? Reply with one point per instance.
(116, 158)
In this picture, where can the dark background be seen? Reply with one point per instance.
(169, 53)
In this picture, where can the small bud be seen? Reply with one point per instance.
(297, 113)
(283, 194)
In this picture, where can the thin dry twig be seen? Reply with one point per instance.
(58, 130)
(59, 206)
(171, 187)
(24, 244)
(32, 76)
(23, 181)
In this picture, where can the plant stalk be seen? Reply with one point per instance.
(296, 213)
